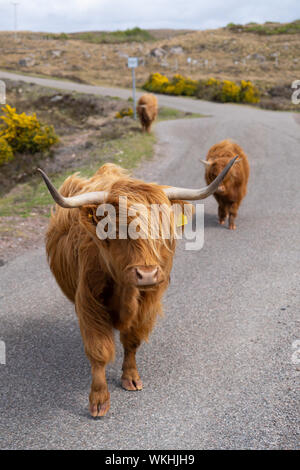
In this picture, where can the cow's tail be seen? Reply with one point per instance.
(144, 114)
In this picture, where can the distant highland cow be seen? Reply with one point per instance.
(233, 189)
(147, 109)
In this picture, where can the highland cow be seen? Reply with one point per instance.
(114, 282)
(147, 109)
(233, 189)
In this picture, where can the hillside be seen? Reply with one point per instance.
(266, 54)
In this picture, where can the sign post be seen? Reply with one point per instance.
(133, 62)
(2, 92)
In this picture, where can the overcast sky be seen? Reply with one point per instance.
(84, 15)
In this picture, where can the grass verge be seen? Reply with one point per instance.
(168, 114)
(33, 196)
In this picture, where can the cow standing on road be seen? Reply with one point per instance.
(147, 110)
(233, 189)
(114, 282)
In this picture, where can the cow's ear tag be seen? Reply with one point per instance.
(182, 220)
(90, 216)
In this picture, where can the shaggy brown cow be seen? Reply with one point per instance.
(114, 282)
(147, 110)
(230, 193)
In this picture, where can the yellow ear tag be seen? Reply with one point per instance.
(182, 220)
(90, 216)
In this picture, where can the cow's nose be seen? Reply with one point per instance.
(146, 275)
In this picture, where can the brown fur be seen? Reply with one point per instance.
(147, 110)
(92, 274)
(234, 185)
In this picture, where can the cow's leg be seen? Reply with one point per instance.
(222, 213)
(233, 210)
(130, 377)
(99, 395)
(99, 347)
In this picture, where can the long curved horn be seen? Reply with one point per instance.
(196, 194)
(96, 197)
(205, 162)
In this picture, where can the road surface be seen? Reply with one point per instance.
(220, 370)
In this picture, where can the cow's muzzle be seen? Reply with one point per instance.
(145, 276)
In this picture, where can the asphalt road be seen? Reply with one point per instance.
(218, 369)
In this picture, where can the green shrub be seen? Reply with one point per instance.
(63, 36)
(210, 89)
(268, 28)
(25, 133)
(129, 35)
(60, 36)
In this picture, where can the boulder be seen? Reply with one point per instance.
(176, 50)
(56, 98)
(258, 57)
(158, 52)
(56, 53)
(27, 62)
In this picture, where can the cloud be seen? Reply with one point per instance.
(80, 15)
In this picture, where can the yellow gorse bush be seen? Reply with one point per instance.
(249, 93)
(25, 133)
(209, 89)
(124, 112)
(212, 82)
(230, 92)
(227, 91)
(156, 83)
(6, 152)
(179, 85)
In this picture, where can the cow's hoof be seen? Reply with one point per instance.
(232, 227)
(221, 222)
(98, 409)
(130, 384)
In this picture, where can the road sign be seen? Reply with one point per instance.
(2, 92)
(133, 62)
